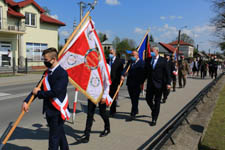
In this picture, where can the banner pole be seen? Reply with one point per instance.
(77, 28)
(20, 117)
(75, 104)
(118, 88)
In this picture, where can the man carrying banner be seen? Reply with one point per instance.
(102, 109)
(54, 93)
(116, 71)
(134, 81)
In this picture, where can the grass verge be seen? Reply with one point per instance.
(214, 138)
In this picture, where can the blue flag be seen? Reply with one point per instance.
(143, 47)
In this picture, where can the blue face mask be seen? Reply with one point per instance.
(152, 54)
(133, 58)
(110, 56)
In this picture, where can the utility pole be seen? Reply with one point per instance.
(82, 7)
(178, 44)
(197, 47)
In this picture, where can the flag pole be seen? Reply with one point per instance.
(142, 40)
(20, 117)
(118, 88)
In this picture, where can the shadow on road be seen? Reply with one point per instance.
(39, 133)
(9, 146)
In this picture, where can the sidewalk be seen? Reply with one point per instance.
(124, 135)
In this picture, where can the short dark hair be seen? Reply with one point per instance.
(52, 51)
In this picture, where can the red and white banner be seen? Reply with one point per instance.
(85, 63)
(60, 106)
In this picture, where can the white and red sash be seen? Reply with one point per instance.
(60, 106)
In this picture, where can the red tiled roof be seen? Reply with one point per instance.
(14, 13)
(181, 43)
(47, 19)
(28, 2)
(43, 18)
(169, 47)
(10, 2)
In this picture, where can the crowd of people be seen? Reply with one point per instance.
(160, 74)
(200, 65)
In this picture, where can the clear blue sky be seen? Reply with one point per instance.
(131, 18)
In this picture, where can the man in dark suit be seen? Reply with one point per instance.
(54, 90)
(116, 71)
(102, 109)
(157, 73)
(214, 67)
(134, 81)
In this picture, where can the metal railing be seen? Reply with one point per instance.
(6, 26)
(162, 135)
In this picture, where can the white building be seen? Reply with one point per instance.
(186, 48)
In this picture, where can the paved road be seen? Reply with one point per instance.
(32, 132)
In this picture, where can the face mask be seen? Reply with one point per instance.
(152, 54)
(110, 56)
(133, 58)
(48, 64)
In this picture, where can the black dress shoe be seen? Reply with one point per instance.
(153, 123)
(84, 139)
(163, 100)
(105, 132)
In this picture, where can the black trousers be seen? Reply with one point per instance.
(90, 116)
(134, 93)
(166, 92)
(112, 91)
(203, 74)
(181, 78)
(153, 97)
(57, 136)
(214, 73)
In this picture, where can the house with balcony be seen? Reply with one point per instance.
(25, 31)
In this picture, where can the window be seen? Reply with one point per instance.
(30, 19)
(4, 47)
(34, 50)
(0, 17)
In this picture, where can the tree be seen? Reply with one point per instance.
(103, 37)
(115, 41)
(125, 44)
(219, 21)
(151, 39)
(186, 38)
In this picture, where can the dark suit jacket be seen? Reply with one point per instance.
(158, 76)
(116, 71)
(135, 73)
(58, 81)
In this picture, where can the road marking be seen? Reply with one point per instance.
(5, 96)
